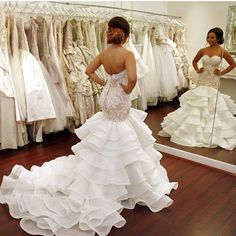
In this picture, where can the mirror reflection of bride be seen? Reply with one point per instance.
(206, 116)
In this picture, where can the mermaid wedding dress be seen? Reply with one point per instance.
(114, 166)
(206, 116)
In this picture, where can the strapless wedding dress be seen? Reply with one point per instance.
(113, 167)
(206, 116)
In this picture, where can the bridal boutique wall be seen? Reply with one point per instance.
(199, 17)
(159, 7)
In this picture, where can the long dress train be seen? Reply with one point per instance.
(114, 166)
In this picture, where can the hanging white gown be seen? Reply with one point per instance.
(142, 70)
(8, 129)
(167, 72)
(38, 99)
(205, 117)
(114, 166)
(6, 84)
(18, 81)
(43, 47)
(12, 133)
(151, 82)
(16, 71)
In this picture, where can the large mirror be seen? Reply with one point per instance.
(227, 88)
(223, 16)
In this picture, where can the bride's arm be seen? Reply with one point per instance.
(92, 67)
(130, 67)
(231, 62)
(195, 61)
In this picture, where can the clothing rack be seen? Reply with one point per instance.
(78, 10)
(115, 8)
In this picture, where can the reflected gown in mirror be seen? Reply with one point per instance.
(113, 167)
(201, 109)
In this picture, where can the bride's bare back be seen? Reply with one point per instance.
(114, 59)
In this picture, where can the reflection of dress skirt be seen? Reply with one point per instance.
(115, 166)
(192, 123)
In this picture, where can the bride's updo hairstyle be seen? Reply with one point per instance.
(219, 34)
(118, 30)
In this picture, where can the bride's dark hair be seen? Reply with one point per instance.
(219, 34)
(118, 30)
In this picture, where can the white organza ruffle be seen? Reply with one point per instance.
(113, 167)
(205, 119)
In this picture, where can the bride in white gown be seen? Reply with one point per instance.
(113, 167)
(206, 116)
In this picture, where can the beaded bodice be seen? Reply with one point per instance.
(115, 103)
(211, 63)
(207, 77)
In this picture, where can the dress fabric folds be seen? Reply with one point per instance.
(114, 166)
(206, 116)
(8, 127)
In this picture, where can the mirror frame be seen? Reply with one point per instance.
(230, 34)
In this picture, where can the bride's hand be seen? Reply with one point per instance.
(103, 82)
(125, 88)
(200, 70)
(217, 72)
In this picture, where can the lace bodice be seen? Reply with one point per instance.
(114, 101)
(211, 62)
(207, 77)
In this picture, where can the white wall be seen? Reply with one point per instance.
(149, 6)
(199, 18)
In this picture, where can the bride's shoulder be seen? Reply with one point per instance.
(203, 50)
(128, 52)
